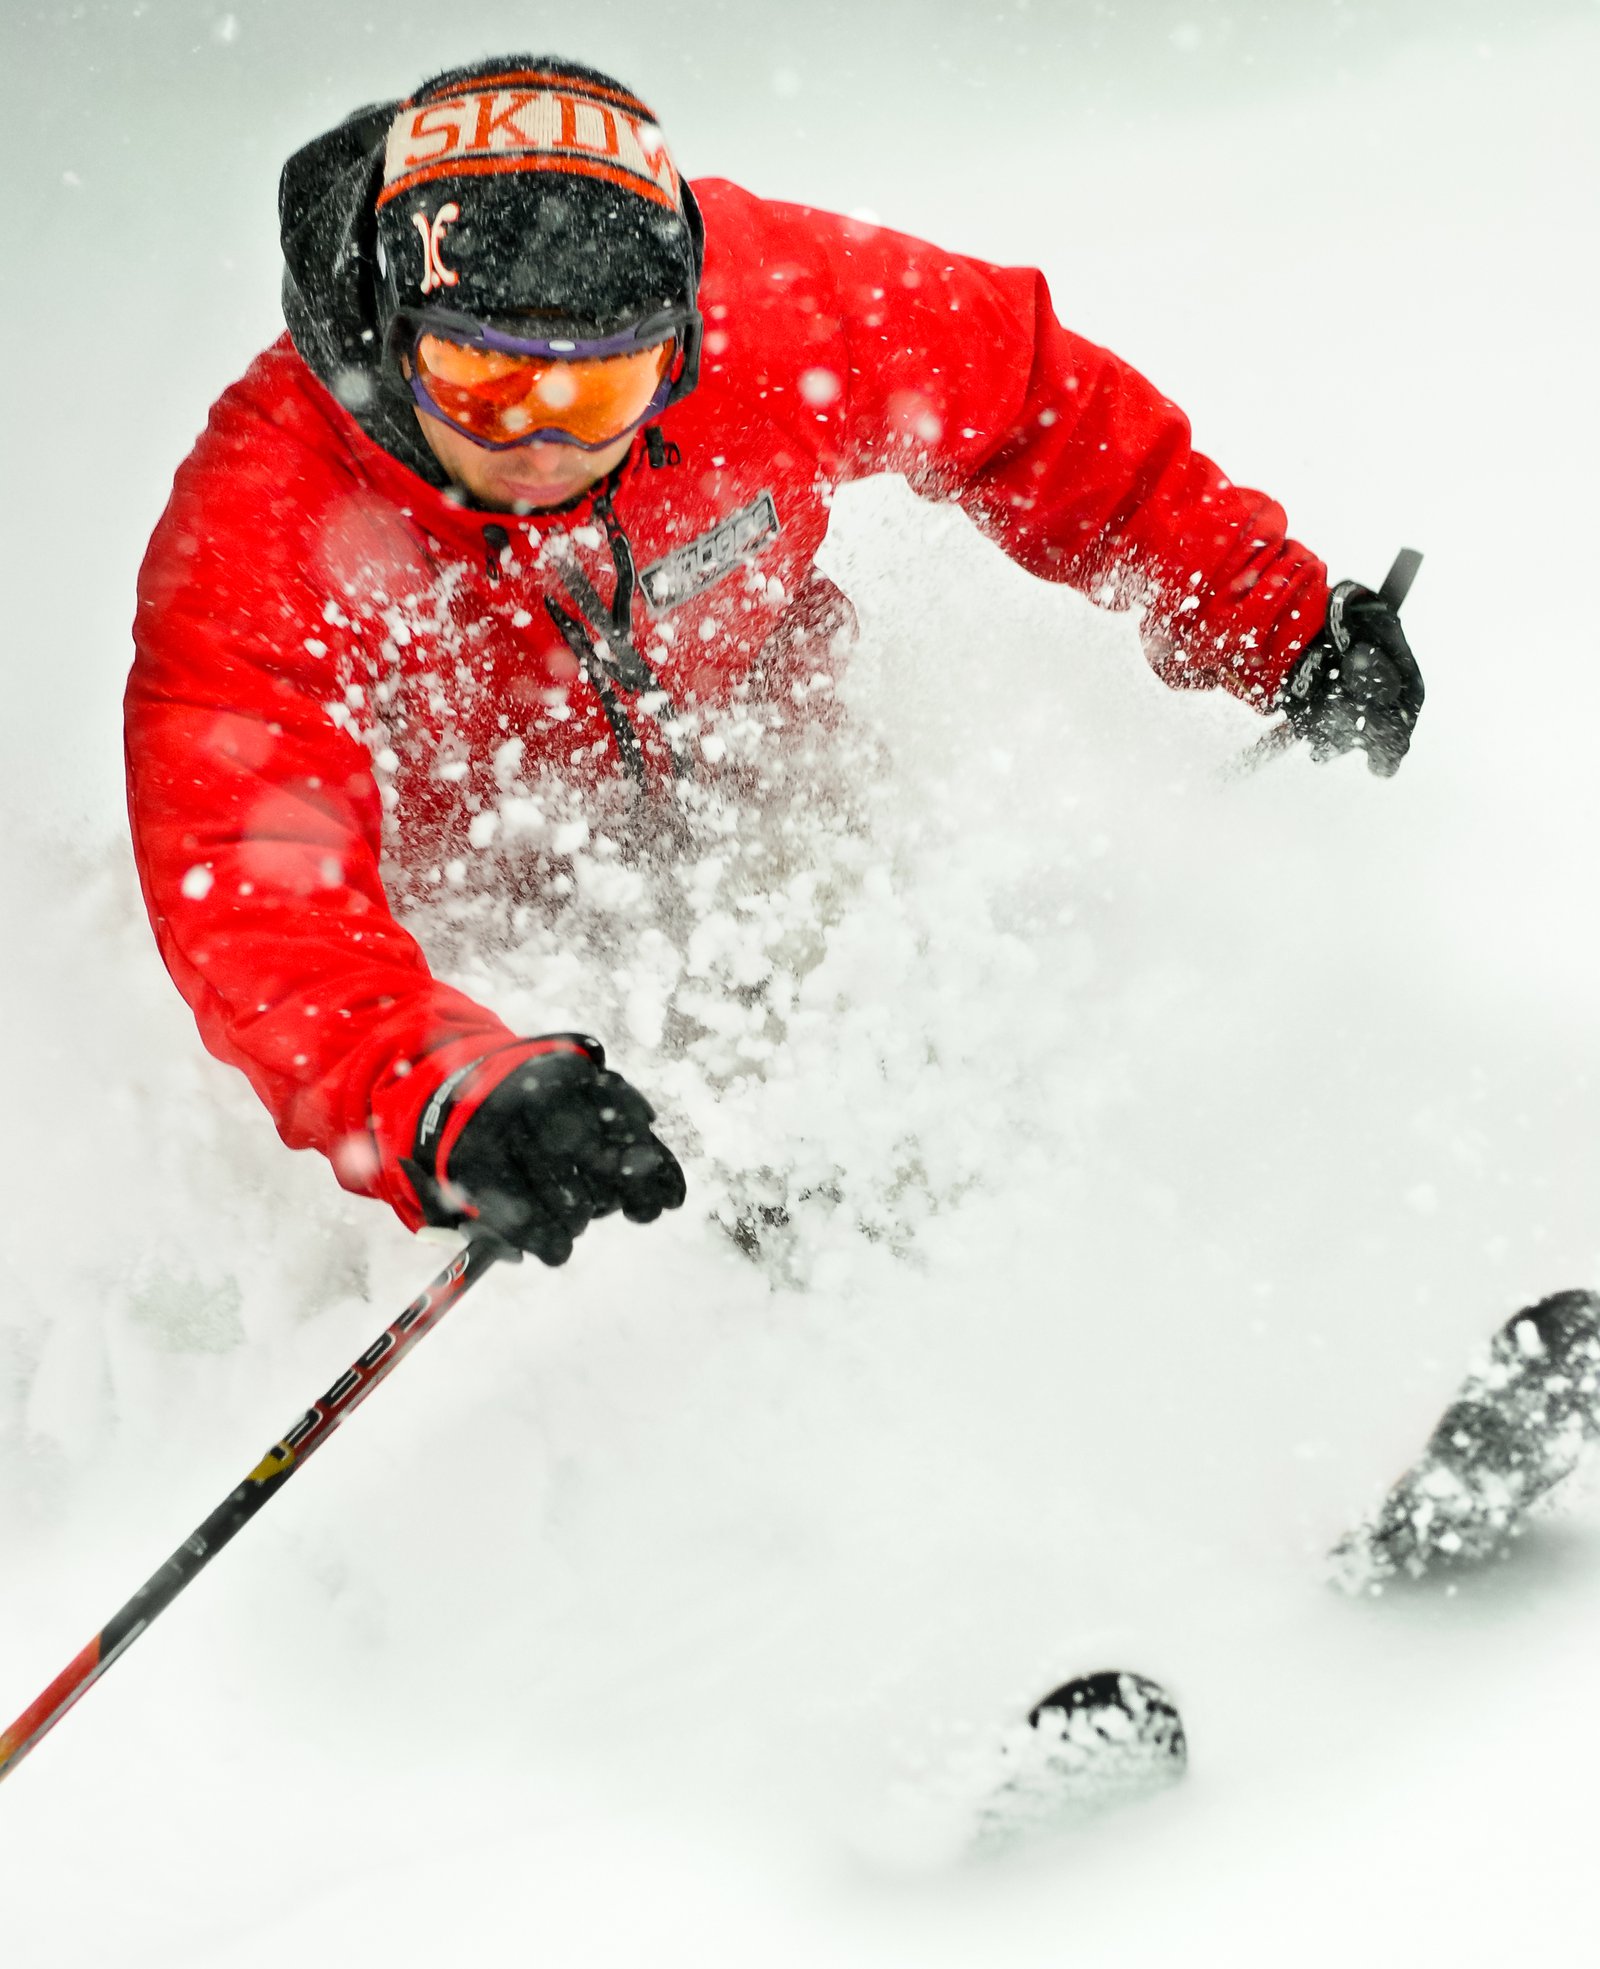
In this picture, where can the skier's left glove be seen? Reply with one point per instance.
(535, 1141)
(1357, 684)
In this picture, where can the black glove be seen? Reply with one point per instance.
(534, 1141)
(1357, 683)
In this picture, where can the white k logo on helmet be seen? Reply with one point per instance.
(434, 271)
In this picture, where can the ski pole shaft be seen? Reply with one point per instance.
(1397, 582)
(240, 1506)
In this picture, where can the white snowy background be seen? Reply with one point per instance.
(1207, 1127)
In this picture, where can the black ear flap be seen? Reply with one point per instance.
(328, 229)
(378, 286)
(697, 232)
(689, 375)
(694, 328)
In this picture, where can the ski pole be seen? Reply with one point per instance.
(240, 1506)
(1273, 744)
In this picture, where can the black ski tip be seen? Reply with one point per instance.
(1521, 1424)
(1091, 1746)
(1123, 1711)
(1565, 1327)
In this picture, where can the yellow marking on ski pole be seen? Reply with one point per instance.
(275, 1460)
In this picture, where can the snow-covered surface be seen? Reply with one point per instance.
(1205, 1127)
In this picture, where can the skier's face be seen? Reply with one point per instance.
(534, 476)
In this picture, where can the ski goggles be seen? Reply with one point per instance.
(501, 390)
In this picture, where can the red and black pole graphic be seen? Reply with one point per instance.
(240, 1506)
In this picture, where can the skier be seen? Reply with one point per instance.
(533, 485)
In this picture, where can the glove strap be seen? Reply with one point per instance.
(458, 1097)
(1338, 601)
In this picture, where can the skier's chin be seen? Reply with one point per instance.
(539, 498)
(526, 484)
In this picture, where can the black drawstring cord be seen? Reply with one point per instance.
(495, 542)
(590, 666)
(622, 664)
(627, 575)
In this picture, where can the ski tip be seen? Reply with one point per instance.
(1565, 1326)
(1113, 1726)
(1113, 1693)
(1521, 1425)
(1092, 1745)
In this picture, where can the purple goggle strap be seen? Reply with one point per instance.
(683, 325)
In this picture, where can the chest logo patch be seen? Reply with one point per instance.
(699, 564)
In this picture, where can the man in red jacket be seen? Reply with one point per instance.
(533, 486)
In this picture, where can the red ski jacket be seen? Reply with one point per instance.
(332, 657)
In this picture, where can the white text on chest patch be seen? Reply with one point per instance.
(700, 564)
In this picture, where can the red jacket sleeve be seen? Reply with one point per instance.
(960, 375)
(256, 819)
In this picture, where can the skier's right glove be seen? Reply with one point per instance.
(1357, 684)
(534, 1141)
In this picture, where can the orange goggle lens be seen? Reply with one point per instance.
(502, 398)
